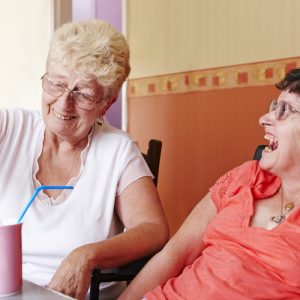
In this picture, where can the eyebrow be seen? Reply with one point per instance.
(63, 80)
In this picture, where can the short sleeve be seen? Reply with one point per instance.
(232, 183)
(135, 167)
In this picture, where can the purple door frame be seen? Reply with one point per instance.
(110, 11)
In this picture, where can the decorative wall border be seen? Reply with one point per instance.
(254, 74)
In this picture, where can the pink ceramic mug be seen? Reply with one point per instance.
(10, 257)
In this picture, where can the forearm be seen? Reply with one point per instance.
(142, 240)
(73, 275)
(158, 270)
(182, 249)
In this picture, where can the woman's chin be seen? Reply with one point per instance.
(269, 160)
(61, 130)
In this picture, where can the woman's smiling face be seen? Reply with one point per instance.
(63, 115)
(282, 130)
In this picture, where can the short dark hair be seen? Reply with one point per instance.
(290, 82)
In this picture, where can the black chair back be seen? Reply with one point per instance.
(258, 152)
(152, 157)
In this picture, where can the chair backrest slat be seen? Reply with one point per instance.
(153, 157)
(258, 152)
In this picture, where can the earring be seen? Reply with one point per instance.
(100, 121)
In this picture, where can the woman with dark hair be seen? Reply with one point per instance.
(242, 241)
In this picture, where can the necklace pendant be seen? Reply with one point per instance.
(278, 219)
(289, 206)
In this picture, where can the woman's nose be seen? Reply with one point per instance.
(66, 99)
(266, 119)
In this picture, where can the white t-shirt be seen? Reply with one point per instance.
(52, 228)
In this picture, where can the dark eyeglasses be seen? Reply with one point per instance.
(282, 109)
(55, 89)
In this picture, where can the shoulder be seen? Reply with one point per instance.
(237, 177)
(247, 176)
(113, 142)
(18, 120)
(106, 129)
(111, 136)
(19, 115)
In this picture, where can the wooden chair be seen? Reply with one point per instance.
(129, 271)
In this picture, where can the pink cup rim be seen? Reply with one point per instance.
(9, 222)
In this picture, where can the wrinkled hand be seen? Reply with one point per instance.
(73, 276)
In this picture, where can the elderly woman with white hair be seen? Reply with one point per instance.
(66, 234)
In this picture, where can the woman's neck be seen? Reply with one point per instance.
(57, 144)
(290, 191)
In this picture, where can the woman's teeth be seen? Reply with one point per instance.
(62, 116)
(273, 144)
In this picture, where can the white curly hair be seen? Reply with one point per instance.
(95, 50)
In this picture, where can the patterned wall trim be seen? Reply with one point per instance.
(254, 74)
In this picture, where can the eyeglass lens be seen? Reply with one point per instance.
(280, 108)
(55, 89)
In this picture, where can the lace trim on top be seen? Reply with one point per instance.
(65, 193)
(221, 187)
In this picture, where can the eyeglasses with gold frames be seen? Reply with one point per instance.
(56, 89)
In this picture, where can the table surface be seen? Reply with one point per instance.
(32, 291)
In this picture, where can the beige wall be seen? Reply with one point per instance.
(25, 31)
(207, 120)
(169, 36)
(25, 28)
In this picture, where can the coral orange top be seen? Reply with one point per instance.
(241, 262)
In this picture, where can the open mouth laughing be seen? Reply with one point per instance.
(273, 143)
